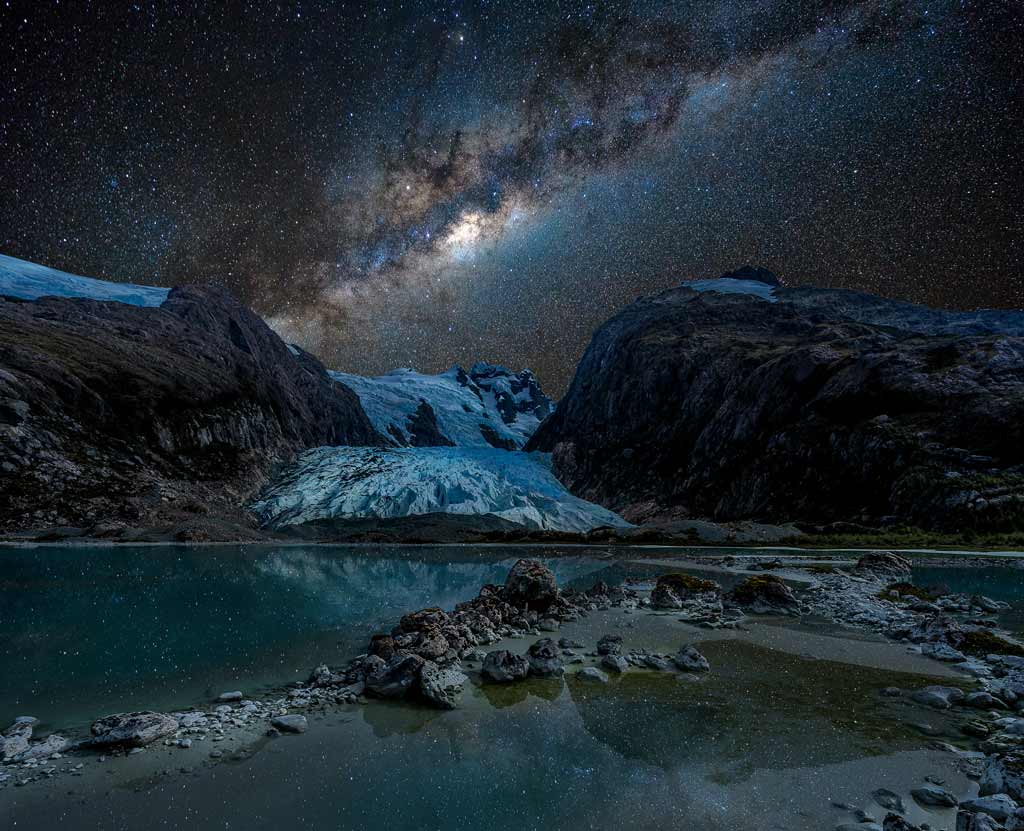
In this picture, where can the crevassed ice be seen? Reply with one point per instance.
(360, 482)
(390, 400)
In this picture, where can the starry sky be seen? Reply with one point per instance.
(424, 183)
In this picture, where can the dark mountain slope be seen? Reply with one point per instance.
(807, 404)
(119, 413)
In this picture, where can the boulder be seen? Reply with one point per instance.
(615, 663)
(291, 723)
(884, 564)
(673, 591)
(592, 674)
(42, 750)
(938, 696)
(441, 686)
(1003, 774)
(934, 796)
(765, 594)
(690, 660)
(532, 585)
(395, 678)
(502, 667)
(609, 645)
(131, 729)
(14, 739)
(545, 658)
(998, 806)
(942, 652)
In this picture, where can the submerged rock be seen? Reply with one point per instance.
(502, 667)
(132, 729)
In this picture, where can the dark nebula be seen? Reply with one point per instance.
(420, 183)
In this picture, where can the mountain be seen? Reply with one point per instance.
(489, 406)
(171, 415)
(30, 281)
(739, 398)
(345, 483)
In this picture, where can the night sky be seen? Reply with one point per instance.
(420, 183)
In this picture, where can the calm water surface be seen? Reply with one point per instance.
(86, 630)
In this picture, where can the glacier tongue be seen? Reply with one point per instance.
(30, 281)
(360, 482)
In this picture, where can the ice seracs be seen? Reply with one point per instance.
(30, 281)
(359, 482)
(488, 406)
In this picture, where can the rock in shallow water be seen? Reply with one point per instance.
(690, 660)
(592, 674)
(615, 663)
(291, 723)
(132, 729)
(933, 795)
(545, 658)
(502, 667)
(441, 686)
(938, 696)
(609, 645)
(395, 678)
(532, 585)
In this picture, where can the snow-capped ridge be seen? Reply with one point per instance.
(30, 281)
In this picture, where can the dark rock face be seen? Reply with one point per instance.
(824, 406)
(121, 414)
(423, 429)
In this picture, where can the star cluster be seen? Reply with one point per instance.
(420, 183)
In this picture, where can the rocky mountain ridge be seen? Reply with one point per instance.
(812, 404)
(114, 414)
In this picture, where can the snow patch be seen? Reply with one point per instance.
(30, 281)
(360, 482)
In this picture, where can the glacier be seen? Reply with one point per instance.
(726, 285)
(489, 406)
(30, 281)
(360, 482)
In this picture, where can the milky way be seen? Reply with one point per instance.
(424, 183)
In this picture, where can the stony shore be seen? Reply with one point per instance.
(431, 655)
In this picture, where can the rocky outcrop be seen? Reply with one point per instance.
(114, 415)
(778, 404)
(765, 594)
(131, 729)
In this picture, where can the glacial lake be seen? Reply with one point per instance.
(768, 740)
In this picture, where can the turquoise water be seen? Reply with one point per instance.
(997, 582)
(87, 630)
